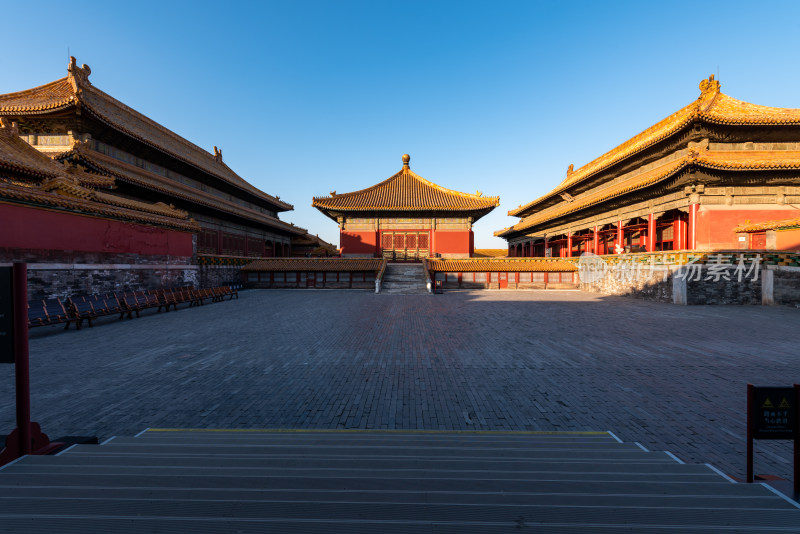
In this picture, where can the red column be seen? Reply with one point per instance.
(569, 245)
(692, 230)
(219, 241)
(651, 233)
(545, 246)
(595, 240)
(620, 235)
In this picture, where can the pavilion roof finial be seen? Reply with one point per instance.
(406, 159)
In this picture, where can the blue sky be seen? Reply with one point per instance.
(305, 97)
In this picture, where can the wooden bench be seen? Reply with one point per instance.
(90, 307)
(202, 294)
(225, 291)
(43, 312)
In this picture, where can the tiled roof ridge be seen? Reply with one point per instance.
(82, 90)
(91, 206)
(793, 222)
(48, 104)
(711, 106)
(175, 188)
(408, 172)
(633, 183)
(322, 202)
(501, 264)
(36, 164)
(697, 155)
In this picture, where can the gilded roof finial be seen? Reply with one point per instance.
(406, 159)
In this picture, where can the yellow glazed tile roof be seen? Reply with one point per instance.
(638, 181)
(76, 91)
(500, 265)
(711, 106)
(29, 177)
(732, 160)
(769, 225)
(405, 191)
(149, 180)
(490, 253)
(315, 264)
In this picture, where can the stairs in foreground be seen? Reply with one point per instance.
(404, 279)
(386, 482)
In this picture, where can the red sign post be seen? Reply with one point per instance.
(774, 413)
(27, 438)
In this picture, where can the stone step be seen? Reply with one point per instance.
(356, 482)
(766, 500)
(388, 511)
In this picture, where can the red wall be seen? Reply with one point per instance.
(358, 242)
(457, 242)
(715, 224)
(32, 228)
(788, 240)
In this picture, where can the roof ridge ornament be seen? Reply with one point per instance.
(710, 85)
(406, 159)
(218, 154)
(80, 74)
(10, 127)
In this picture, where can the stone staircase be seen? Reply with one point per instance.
(388, 482)
(404, 279)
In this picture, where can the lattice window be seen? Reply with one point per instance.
(207, 242)
(411, 241)
(399, 241)
(524, 277)
(255, 247)
(480, 277)
(386, 241)
(537, 277)
(423, 240)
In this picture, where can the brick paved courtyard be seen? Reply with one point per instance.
(672, 378)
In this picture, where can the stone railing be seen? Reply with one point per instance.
(379, 277)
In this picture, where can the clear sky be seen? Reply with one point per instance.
(306, 97)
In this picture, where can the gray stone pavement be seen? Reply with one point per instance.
(672, 378)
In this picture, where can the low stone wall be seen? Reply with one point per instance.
(59, 273)
(66, 280)
(649, 283)
(695, 280)
(785, 286)
(219, 275)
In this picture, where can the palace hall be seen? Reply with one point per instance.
(406, 218)
(698, 180)
(75, 123)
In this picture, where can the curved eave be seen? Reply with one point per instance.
(278, 204)
(154, 182)
(43, 200)
(710, 160)
(712, 107)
